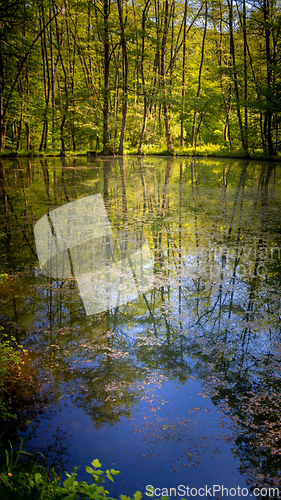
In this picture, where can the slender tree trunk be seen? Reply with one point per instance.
(198, 130)
(143, 124)
(53, 79)
(226, 99)
(145, 103)
(163, 76)
(117, 93)
(72, 73)
(125, 79)
(183, 74)
(46, 77)
(245, 75)
(28, 137)
(1, 97)
(193, 134)
(21, 117)
(66, 97)
(106, 7)
(235, 79)
(27, 125)
(268, 113)
(248, 57)
(137, 65)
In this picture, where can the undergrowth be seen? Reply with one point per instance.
(207, 150)
(22, 478)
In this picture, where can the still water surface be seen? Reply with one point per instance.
(179, 384)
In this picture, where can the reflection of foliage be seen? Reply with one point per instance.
(240, 367)
(30, 402)
(255, 412)
(96, 372)
(259, 435)
(205, 222)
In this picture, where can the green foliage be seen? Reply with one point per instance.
(53, 95)
(8, 357)
(28, 480)
(3, 276)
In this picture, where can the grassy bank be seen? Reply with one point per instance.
(208, 150)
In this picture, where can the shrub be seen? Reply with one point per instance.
(27, 480)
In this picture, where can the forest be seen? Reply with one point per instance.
(140, 76)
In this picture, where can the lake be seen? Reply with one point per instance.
(146, 291)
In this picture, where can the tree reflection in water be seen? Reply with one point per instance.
(213, 228)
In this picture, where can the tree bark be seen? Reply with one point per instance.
(21, 91)
(163, 76)
(183, 74)
(65, 106)
(245, 45)
(193, 134)
(106, 9)
(145, 103)
(125, 79)
(235, 79)
(1, 97)
(268, 112)
(46, 77)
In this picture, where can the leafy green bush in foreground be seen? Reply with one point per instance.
(9, 357)
(27, 480)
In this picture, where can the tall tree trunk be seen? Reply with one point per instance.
(53, 79)
(21, 116)
(193, 134)
(245, 45)
(268, 113)
(72, 73)
(106, 6)
(226, 98)
(1, 97)
(163, 76)
(27, 125)
(125, 79)
(46, 76)
(60, 36)
(117, 93)
(183, 74)
(235, 79)
(248, 57)
(145, 104)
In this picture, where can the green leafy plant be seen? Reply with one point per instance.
(3, 276)
(9, 357)
(75, 489)
(22, 478)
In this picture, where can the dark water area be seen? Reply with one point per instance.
(153, 330)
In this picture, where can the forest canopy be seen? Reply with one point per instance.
(117, 75)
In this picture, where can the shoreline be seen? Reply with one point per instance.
(193, 154)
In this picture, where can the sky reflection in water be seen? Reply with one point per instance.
(179, 381)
